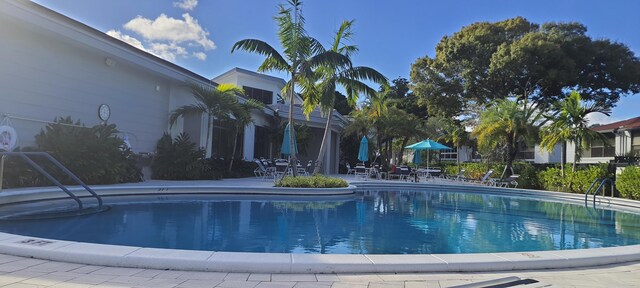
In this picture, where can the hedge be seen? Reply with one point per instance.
(317, 181)
(628, 183)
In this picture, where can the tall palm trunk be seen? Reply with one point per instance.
(512, 151)
(323, 146)
(293, 162)
(208, 151)
(458, 156)
(563, 154)
(235, 145)
(401, 152)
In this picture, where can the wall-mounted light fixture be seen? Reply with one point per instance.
(110, 62)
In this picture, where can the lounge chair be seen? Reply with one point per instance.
(458, 177)
(485, 179)
(506, 182)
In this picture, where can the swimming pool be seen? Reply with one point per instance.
(344, 204)
(418, 221)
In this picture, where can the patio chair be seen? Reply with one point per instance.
(506, 182)
(405, 173)
(349, 170)
(394, 172)
(458, 177)
(361, 170)
(281, 168)
(260, 170)
(485, 179)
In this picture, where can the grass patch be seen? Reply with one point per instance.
(317, 181)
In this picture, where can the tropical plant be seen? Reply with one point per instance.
(179, 159)
(332, 76)
(95, 154)
(628, 182)
(242, 114)
(570, 123)
(302, 54)
(453, 131)
(216, 103)
(505, 123)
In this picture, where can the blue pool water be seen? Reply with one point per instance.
(408, 222)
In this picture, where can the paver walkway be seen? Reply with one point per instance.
(19, 272)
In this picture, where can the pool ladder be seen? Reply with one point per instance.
(26, 156)
(602, 182)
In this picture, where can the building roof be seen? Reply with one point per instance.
(249, 72)
(629, 124)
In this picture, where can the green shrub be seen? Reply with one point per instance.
(94, 154)
(551, 179)
(180, 159)
(574, 182)
(528, 175)
(317, 181)
(628, 183)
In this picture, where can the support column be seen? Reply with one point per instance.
(249, 141)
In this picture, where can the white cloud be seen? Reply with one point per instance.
(200, 55)
(167, 37)
(186, 4)
(599, 118)
(165, 28)
(127, 39)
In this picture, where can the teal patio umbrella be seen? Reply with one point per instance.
(284, 149)
(427, 145)
(363, 152)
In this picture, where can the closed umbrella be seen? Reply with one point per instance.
(363, 152)
(284, 149)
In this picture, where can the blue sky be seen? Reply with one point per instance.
(391, 35)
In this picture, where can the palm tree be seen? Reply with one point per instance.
(506, 122)
(242, 115)
(570, 124)
(331, 76)
(216, 103)
(454, 133)
(302, 54)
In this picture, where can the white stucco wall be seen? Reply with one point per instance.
(51, 69)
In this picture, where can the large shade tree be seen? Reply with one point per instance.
(570, 123)
(216, 103)
(516, 58)
(301, 54)
(330, 76)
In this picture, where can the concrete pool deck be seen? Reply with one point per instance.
(303, 263)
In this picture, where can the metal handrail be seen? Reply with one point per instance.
(595, 192)
(25, 157)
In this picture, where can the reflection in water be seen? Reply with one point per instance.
(397, 222)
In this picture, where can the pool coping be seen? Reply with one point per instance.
(173, 259)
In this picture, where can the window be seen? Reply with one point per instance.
(262, 141)
(635, 142)
(449, 155)
(525, 152)
(263, 96)
(601, 148)
(223, 140)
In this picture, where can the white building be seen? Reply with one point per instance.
(622, 139)
(53, 66)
